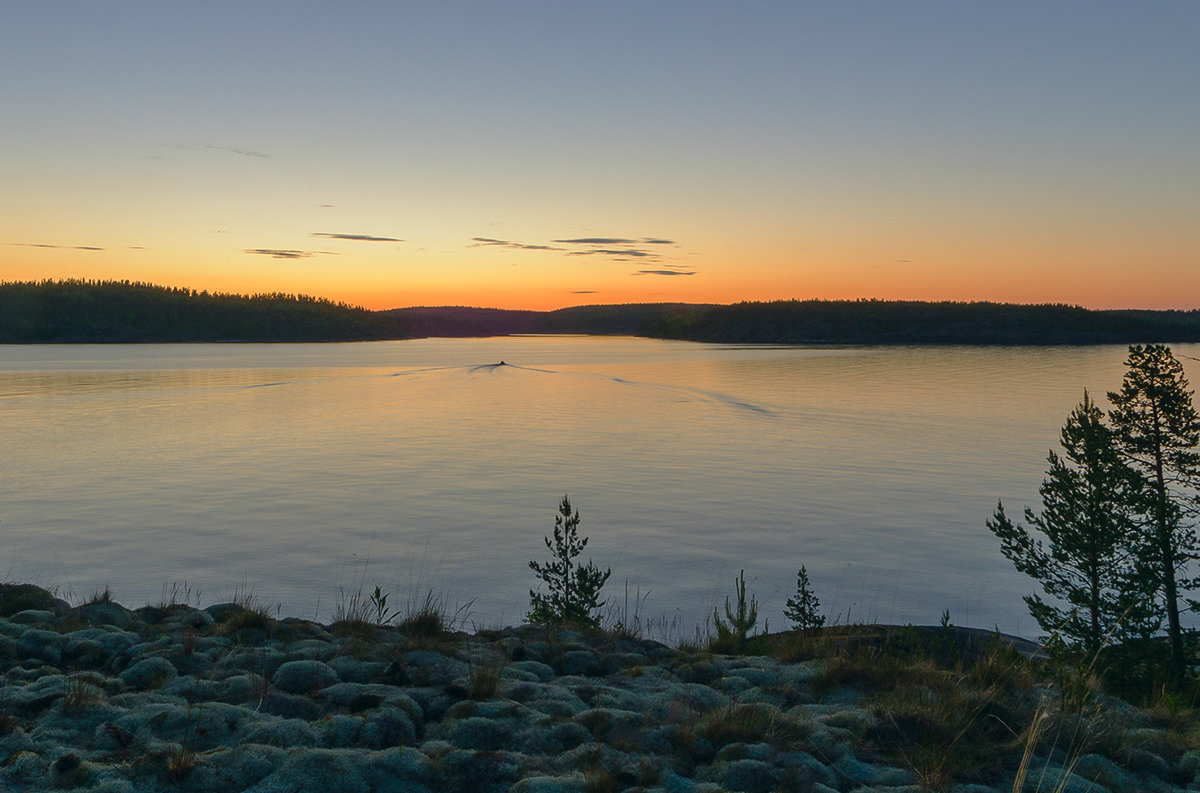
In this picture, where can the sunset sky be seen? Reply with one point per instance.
(545, 154)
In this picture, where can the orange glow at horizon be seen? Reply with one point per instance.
(433, 156)
(456, 280)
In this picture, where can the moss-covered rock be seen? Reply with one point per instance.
(15, 598)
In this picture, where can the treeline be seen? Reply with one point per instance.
(461, 321)
(124, 311)
(633, 319)
(913, 322)
(78, 311)
(823, 322)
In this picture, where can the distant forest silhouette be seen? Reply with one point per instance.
(123, 311)
(915, 322)
(824, 322)
(77, 311)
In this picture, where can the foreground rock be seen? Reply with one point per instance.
(101, 698)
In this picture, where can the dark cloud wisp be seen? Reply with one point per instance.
(277, 253)
(632, 253)
(664, 272)
(615, 241)
(618, 249)
(629, 249)
(483, 242)
(63, 247)
(356, 237)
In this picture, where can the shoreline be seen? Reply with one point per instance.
(103, 698)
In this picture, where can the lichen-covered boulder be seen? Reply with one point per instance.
(353, 670)
(750, 776)
(106, 613)
(554, 738)
(388, 727)
(290, 706)
(398, 771)
(274, 731)
(338, 731)
(41, 645)
(477, 732)
(303, 677)
(149, 673)
(325, 770)
(483, 771)
(425, 668)
(579, 662)
(550, 784)
(17, 598)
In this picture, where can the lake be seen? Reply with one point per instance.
(290, 472)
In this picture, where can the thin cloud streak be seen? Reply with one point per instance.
(484, 242)
(277, 253)
(632, 252)
(615, 241)
(61, 247)
(241, 152)
(603, 246)
(612, 248)
(356, 237)
(663, 272)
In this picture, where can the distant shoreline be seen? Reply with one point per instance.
(84, 312)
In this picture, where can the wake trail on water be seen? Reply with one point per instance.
(681, 391)
(492, 367)
(425, 370)
(700, 394)
(335, 378)
(684, 392)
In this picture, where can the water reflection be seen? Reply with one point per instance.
(271, 465)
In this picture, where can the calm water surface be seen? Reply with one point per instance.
(288, 471)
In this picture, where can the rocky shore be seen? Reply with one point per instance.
(99, 697)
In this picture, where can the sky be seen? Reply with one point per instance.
(545, 154)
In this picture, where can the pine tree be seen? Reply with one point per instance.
(1157, 431)
(734, 635)
(573, 590)
(803, 608)
(1089, 560)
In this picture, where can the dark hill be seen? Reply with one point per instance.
(121, 311)
(824, 322)
(911, 322)
(632, 319)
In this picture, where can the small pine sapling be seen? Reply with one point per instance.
(572, 594)
(803, 608)
(733, 636)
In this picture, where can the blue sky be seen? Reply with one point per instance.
(1004, 151)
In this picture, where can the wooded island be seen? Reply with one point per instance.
(75, 311)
